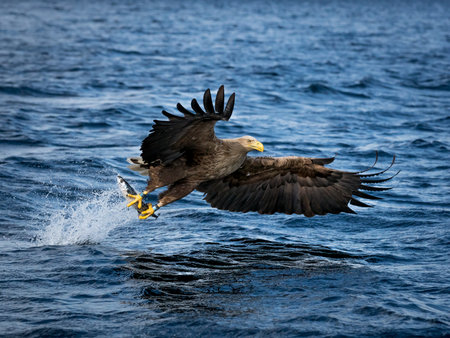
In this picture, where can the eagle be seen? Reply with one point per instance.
(184, 154)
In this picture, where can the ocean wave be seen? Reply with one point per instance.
(30, 91)
(428, 84)
(367, 82)
(80, 87)
(222, 269)
(421, 143)
(125, 52)
(319, 88)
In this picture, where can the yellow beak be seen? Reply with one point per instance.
(258, 146)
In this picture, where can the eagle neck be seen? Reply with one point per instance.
(233, 153)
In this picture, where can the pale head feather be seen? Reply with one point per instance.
(250, 143)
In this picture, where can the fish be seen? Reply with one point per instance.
(126, 189)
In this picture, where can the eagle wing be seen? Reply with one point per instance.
(290, 185)
(169, 140)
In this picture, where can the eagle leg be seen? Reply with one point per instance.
(137, 199)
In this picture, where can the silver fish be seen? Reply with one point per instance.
(125, 189)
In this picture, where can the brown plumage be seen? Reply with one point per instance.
(184, 154)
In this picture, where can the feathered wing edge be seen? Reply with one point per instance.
(168, 139)
(365, 180)
(217, 112)
(288, 192)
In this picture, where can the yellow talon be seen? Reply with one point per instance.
(137, 198)
(149, 210)
(147, 213)
(144, 216)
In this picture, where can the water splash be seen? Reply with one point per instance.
(85, 222)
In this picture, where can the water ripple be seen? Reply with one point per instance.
(80, 86)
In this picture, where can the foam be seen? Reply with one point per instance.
(85, 222)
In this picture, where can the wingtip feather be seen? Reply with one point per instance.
(207, 102)
(196, 107)
(220, 97)
(229, 108)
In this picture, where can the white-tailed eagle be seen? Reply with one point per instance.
(185, 154)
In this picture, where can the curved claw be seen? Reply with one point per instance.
(137, 198)
(144, 216)
(147, 213)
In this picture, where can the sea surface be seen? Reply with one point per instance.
(81, 83)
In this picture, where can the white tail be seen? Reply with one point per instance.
(138, 164)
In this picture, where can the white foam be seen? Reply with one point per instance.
(88, 221)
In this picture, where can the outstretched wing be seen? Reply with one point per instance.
(168, 140)
(290, 185)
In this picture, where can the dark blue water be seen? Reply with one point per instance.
(80, 84)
